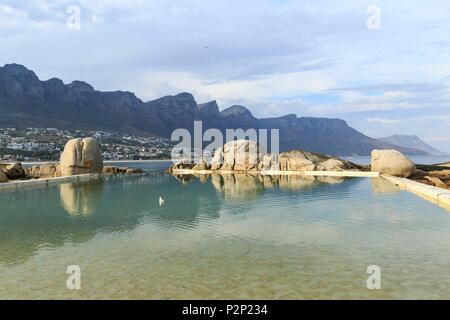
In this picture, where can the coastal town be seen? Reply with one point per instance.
(46, 144)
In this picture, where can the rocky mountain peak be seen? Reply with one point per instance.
(81, 86)
(412, 141)
(19, 71)
(209, 107)
(26, 80)
(237, 111)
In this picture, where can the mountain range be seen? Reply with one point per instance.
(26, 101)
(413, 142)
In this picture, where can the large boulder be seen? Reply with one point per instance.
(296, 164)
(202, 165)
(241, 155)
(299, 160)
(392, 162)
(333, 165)
(217, 160)
(44, 171)
(3, 177)
(81, 156)
(13, 170)
(269, 162)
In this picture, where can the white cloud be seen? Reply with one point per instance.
(438, 138)
(383, 121)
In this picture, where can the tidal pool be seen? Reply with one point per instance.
(222, 237)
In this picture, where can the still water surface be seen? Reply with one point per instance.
(222, 237)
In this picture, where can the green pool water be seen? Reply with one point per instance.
(222, 237)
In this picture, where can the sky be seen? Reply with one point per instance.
(382, 66)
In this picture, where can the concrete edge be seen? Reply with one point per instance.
(438, 196)
(269, 173)
(19, 184)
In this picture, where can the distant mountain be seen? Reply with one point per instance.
(26, 101)
(413, 142)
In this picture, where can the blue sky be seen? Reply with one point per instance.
(311, 58)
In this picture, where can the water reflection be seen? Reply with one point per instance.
(81, 199)
(35, 219)
(248, 186)
(239, 186)
(51, 217)
(383, 186)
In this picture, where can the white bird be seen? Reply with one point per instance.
(161, 201)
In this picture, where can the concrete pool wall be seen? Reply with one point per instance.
(20, 184)
(438, 196)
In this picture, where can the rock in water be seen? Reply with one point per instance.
(392, 162)
(81, 156)
(202, 165)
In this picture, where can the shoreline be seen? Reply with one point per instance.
(105, 161)
(137, 161)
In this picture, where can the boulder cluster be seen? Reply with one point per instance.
(80, 156)
(248, 156)
(244, 156)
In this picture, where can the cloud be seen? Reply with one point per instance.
(439, 138)
(312, 58)
(383, 121)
